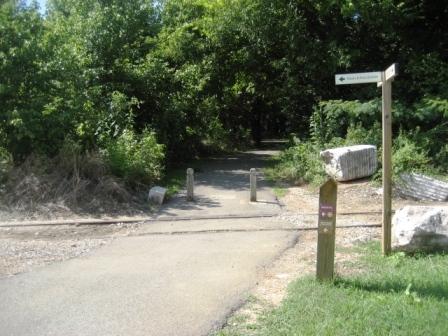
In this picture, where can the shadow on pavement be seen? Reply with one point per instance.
(222, 187)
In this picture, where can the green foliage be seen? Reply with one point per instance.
(213, 74)
(300, 163)
(408, 156)
(280, 191)
(429, 72)
(340, 123)
(360, 135)
(437, 105)
(23, 86)
(137, 158)
(119, 116)
(332, 124)
(331, 119)
(5, 165)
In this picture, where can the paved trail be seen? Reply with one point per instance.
(177, 276)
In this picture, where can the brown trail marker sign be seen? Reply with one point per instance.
(383, 79)
(326, 230)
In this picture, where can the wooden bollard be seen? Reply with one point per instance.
(190, 185)
(253, 185)
(326, 230)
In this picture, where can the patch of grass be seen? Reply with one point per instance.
(176, 178)
(396, 295)
(274, 175)
(280, 191)
(270, 168)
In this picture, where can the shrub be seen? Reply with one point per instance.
(5, 164)
(357, 134)
(333, 118)
(433, 142)
(302, 164)
(137, 158)
(407, 156)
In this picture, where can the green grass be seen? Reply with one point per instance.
(396, 295)
(273, 175)
(270, 168)
(175, 179)
(280, 191)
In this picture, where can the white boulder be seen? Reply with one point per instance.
(421, 187)
(157, 194)
(350, 163)
(420, 228)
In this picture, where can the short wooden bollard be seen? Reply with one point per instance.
(253, 185)
(326, 230)
(190, 185)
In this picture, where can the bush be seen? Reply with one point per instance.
(360, 135)
(302, 164)
(333, 118)
(340, 123)
(137, 158)
(5, 164)
(407, 156)
(434, 143)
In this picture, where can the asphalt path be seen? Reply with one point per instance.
(183, 273)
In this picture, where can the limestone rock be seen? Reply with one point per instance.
(157, 194)
(421, 187)
(350, 163)
(420, 228)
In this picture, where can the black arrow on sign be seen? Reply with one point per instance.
(342, 79)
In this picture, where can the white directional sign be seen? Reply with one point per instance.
(391, 71)
(358, 78)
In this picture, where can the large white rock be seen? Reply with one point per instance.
(350, 163)
(157, 194)
(420, 228)
(421, 187)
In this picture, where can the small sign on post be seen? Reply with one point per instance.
(326, 230)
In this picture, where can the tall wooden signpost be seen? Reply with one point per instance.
(383, 79)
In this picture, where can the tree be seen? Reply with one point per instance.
(23, 88)
(99, 45)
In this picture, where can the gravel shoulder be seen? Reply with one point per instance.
(25, 248)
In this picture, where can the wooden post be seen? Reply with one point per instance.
(387, 158)
(253, 185)
(190, 185)
(383, 79)
(326, 230)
